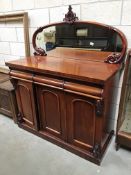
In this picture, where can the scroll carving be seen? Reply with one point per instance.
(19, 118)
(113, 58)
(70, 17)
(40, 52)
(99, 107)
(97, 151)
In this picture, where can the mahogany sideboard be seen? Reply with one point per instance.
(66, 101)
(64, 95)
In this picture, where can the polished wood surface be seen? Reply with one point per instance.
(62, 65)
(82, 54)
(88, 91)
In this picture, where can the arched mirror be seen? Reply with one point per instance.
(80, 35)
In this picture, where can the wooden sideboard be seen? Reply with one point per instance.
(65, 95)
(66, 100)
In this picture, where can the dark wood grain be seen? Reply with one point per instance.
(51, 111)
(84, 90)
(80, 121)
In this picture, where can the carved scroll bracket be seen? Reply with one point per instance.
(114, 58)
(70, 17)
(97, 151)
(38, 51)
(19, 118)
(99, 107)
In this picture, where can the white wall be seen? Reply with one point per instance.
(41, 12)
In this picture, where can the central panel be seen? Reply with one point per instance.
(51, 115)
(81, 121)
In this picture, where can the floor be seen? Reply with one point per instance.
(22, 153)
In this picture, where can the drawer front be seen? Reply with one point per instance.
(48, 82)
(84, 90)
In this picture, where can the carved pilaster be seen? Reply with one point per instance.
(19, 118)
(14, 82)
(97, 150)
(99, 107)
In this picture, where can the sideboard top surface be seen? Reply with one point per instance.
(81, 65)
(79, 54)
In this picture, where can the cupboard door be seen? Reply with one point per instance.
(80, 121)
(26, 104)
(51, 111)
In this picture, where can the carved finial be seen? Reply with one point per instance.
(70, 17)
(70, 8)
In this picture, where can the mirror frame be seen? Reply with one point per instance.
(70, 18)
(15, 17)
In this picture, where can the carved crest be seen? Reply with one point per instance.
(70, 17)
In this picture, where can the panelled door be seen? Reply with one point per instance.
(80, 121)
(26, 103)
(51, 111)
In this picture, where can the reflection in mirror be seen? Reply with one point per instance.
(79, 35)
(46, 39)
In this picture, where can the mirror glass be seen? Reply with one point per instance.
(79, 36)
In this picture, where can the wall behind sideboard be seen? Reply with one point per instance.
(113, 12)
